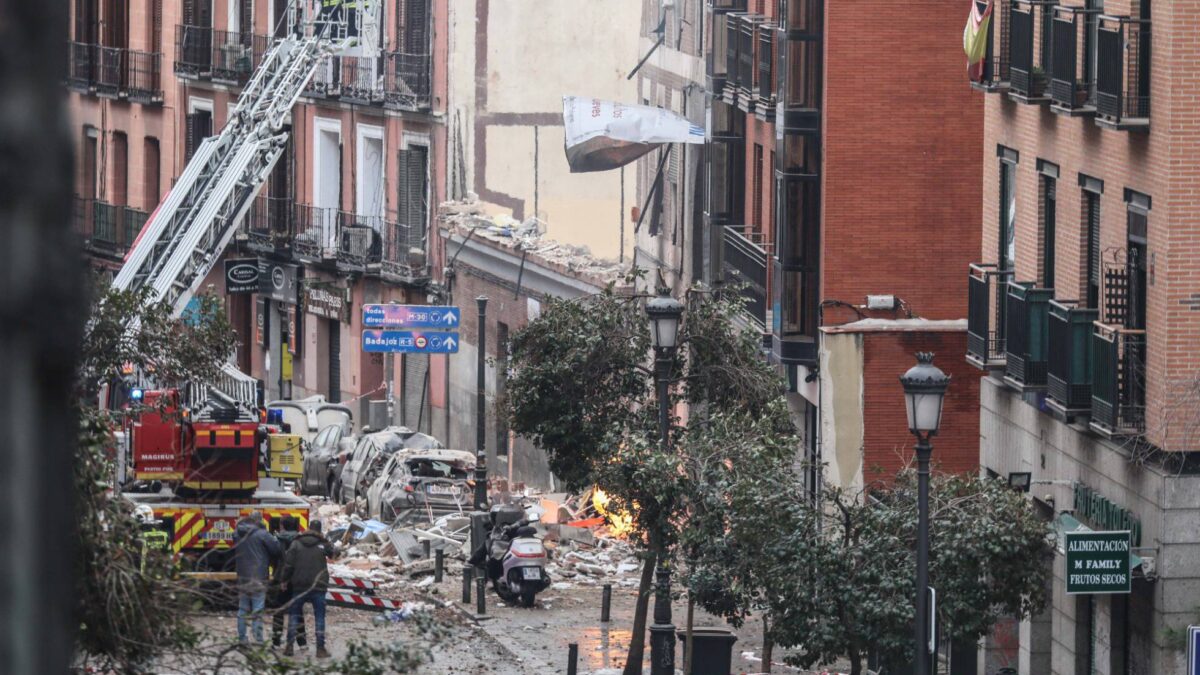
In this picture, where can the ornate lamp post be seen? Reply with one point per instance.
(665, 314)
(924, 391)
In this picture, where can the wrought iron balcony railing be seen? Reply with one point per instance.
(1025, 345)
(404, 257)
(1072, 76)
(317, 233)
(1118, 380)
(407, 81)
(986, 310)
(745, 262)
(223, 56)
(391, 79)
(1029, 49)
(270, 224)
(995, 61)
(1123, 73)
(115, 72)
(108, 230)
(1069, 358)
(765, 106)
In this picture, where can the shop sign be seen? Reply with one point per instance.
(293, 331)
(1099, 512)
(241, 276)
(1098, 562)
(261, 327)
(327, 303)
(277, 281)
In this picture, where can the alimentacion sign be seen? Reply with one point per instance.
(1098, 562)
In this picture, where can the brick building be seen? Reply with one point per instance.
(343, 218)
(833, 171)
(1083, 308)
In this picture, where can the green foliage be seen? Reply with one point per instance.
(127, 605)
(856, 553)
(174, 350)
(577, 374)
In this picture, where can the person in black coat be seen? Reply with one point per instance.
(254, 549)
(306, 570)
(279, 597)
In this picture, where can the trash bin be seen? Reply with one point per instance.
(713, 653)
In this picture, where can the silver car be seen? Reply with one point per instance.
(431, 481)
(324, 460)
(370, 454)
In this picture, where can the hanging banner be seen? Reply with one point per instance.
(1098, 562)
(260, 322)
(603, 135)
(328, 303)
(293, 329)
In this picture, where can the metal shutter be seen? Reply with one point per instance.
(415, 392)
(335, 361)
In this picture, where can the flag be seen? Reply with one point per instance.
(975, 38)
(603, 135)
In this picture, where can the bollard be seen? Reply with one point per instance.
(605, 603)
(426, 545)
(468, 574)
(572, 658)
(439, 563)
(481, 596)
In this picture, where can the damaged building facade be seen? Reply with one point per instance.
(1084, 313)
(344, 217)
(831, 172)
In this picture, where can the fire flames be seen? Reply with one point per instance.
(619, 522)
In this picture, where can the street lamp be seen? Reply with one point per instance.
(924, 391)
(665, 313)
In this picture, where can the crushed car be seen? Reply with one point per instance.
(434, 481)
(370, 454)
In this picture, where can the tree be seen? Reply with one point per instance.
(843, 584)
(580, 389)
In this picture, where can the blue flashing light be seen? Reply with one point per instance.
(136, 394)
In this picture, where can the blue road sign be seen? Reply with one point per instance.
(409, 342)
(411, 316)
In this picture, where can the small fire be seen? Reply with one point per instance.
(619, 522)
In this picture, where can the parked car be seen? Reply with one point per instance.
(436, 481)
(323, 461)
(308, 416)
(370, 453)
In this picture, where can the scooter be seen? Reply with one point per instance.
(517, 562)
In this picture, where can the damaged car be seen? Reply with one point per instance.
(372, 451)
(323, 462)
(435, 481)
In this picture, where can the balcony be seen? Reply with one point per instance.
(1123, 73)
(392, 79)
(986, 309)
(1025, 346)
(747, 63)
(1071, 73)
(316, 234)
(1028, 50)
(1118, 380)
(744, 261)
(221, 56)
(764, 107)
(115, 72)
(995, 62)
(1069, 359)
(404, 258)
(108, 230)
(270, 224)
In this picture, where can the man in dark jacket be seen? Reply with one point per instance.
(279, 596)
(306, 570)
(254, 550)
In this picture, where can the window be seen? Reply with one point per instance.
(1137, 213)
(120, 168)
(1091, 245)
(412, 27)
(756, 212)
(1091, 29)
(803, 88)
(154, 25)
(1047, 220)
(199, 127)
(1007, 239)
(87, 168)
(414, 191)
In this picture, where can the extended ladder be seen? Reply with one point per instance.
(188, 232)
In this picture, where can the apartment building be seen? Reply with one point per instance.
(832, 171)
(1085, 310)
(343, 218)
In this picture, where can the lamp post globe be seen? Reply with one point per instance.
(924, 392)
(665, 313)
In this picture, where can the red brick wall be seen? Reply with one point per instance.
(887, 443)
(902, 160)
(1161, 163)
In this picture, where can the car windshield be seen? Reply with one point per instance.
(424, 467)
(328, 416)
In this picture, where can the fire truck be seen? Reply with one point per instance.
(194, 454)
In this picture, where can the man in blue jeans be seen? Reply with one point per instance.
(305, 569)
(254, 550)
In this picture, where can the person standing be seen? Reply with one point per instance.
(254, 550)
(280, 596)
(306, 570)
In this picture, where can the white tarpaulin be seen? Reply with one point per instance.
(603, 135)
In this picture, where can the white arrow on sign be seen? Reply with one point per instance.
(451, 343)
(449, 319)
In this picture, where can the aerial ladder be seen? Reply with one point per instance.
(189, 231)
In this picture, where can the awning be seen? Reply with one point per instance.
(1067, 523)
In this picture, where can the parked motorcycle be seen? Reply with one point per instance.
(516, 559)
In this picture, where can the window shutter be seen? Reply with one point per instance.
(246, 17)
(414, 36)
(120, 153)
(156, 26)
(190, 136)
(189, 12)
(1093, 238)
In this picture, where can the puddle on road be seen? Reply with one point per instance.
(604, 648)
